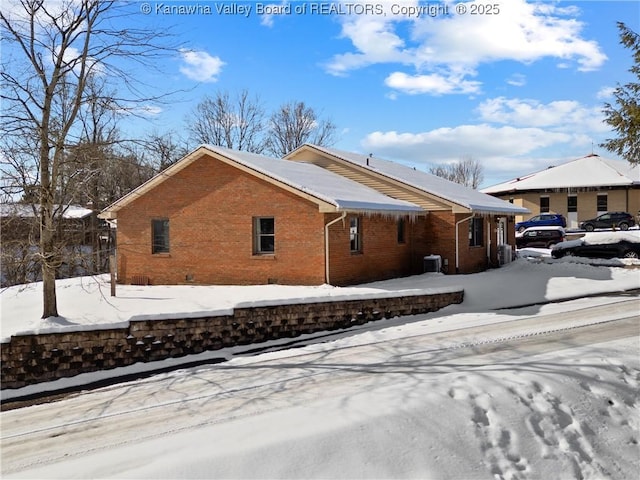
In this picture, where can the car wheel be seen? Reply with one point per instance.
(630, 254)
(624, 226)
(588, 227)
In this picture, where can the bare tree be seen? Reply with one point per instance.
(237, 123)
(51, 51)
(165, 148)
(295, 124)
(467, 171)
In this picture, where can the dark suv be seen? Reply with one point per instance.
(621, 220)
(540, 237)
(542, 220)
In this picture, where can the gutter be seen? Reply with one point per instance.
(326, 245)
(457, 246)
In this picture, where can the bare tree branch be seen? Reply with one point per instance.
(232, 123)
(52, 52)
(467, 172)
(295, 124)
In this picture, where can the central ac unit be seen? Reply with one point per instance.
(432, 264)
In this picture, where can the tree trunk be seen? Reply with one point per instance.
(47, 250)
(47, 234)
(49, 291)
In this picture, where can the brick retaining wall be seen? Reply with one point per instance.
(31, 359)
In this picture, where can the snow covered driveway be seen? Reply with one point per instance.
(536, 397)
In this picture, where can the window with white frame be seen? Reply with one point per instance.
(355, 235)
(544, 204)
(160, 236)
(602, 202)
(476, 232)
(264, 235)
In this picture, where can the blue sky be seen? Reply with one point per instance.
(517, 90)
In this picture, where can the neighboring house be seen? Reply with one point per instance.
(580, 189)
(79, 236)
(220, 216)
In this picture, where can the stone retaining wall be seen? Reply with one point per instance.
(30, 359)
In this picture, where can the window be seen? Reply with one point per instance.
(602, 203)
(572, 204)
(264, 235)
(476, 232)
(401, 230)
(160, 236)
(355, 235)
(544, 204)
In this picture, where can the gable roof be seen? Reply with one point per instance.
(457, 196)
(331, 192)
(589, 171)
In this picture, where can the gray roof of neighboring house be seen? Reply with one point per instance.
(453, 192)
(24, 210)
(589, 171)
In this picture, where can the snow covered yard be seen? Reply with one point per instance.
(84, 302)
(468, 392)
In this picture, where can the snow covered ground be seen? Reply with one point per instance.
(468, 392)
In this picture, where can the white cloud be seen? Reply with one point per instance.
(449, 144)
(375, 41)
(605, 92)
(509, 142)
(521, 32)
(200, 66)
(21, 13)
(560, 115)
(435, 83)
(72, 57)
(274, 10)
(517, 80)
(504, 151)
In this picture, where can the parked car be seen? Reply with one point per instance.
(621, 220)
(542, 220)
(600, 245)
(540, 237)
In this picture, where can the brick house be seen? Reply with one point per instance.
(580, 189)
(220, 216)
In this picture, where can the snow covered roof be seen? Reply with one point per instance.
(589, 171)
(331, 191)
(345, 194)
(452, 192)
(23, 210)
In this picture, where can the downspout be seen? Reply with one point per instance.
(489, 241)
(326, 245)
(458, 246)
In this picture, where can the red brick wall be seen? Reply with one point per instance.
(440, 240)
(210, 206)
(382, 256)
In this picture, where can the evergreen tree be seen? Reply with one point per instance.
(624, 116)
